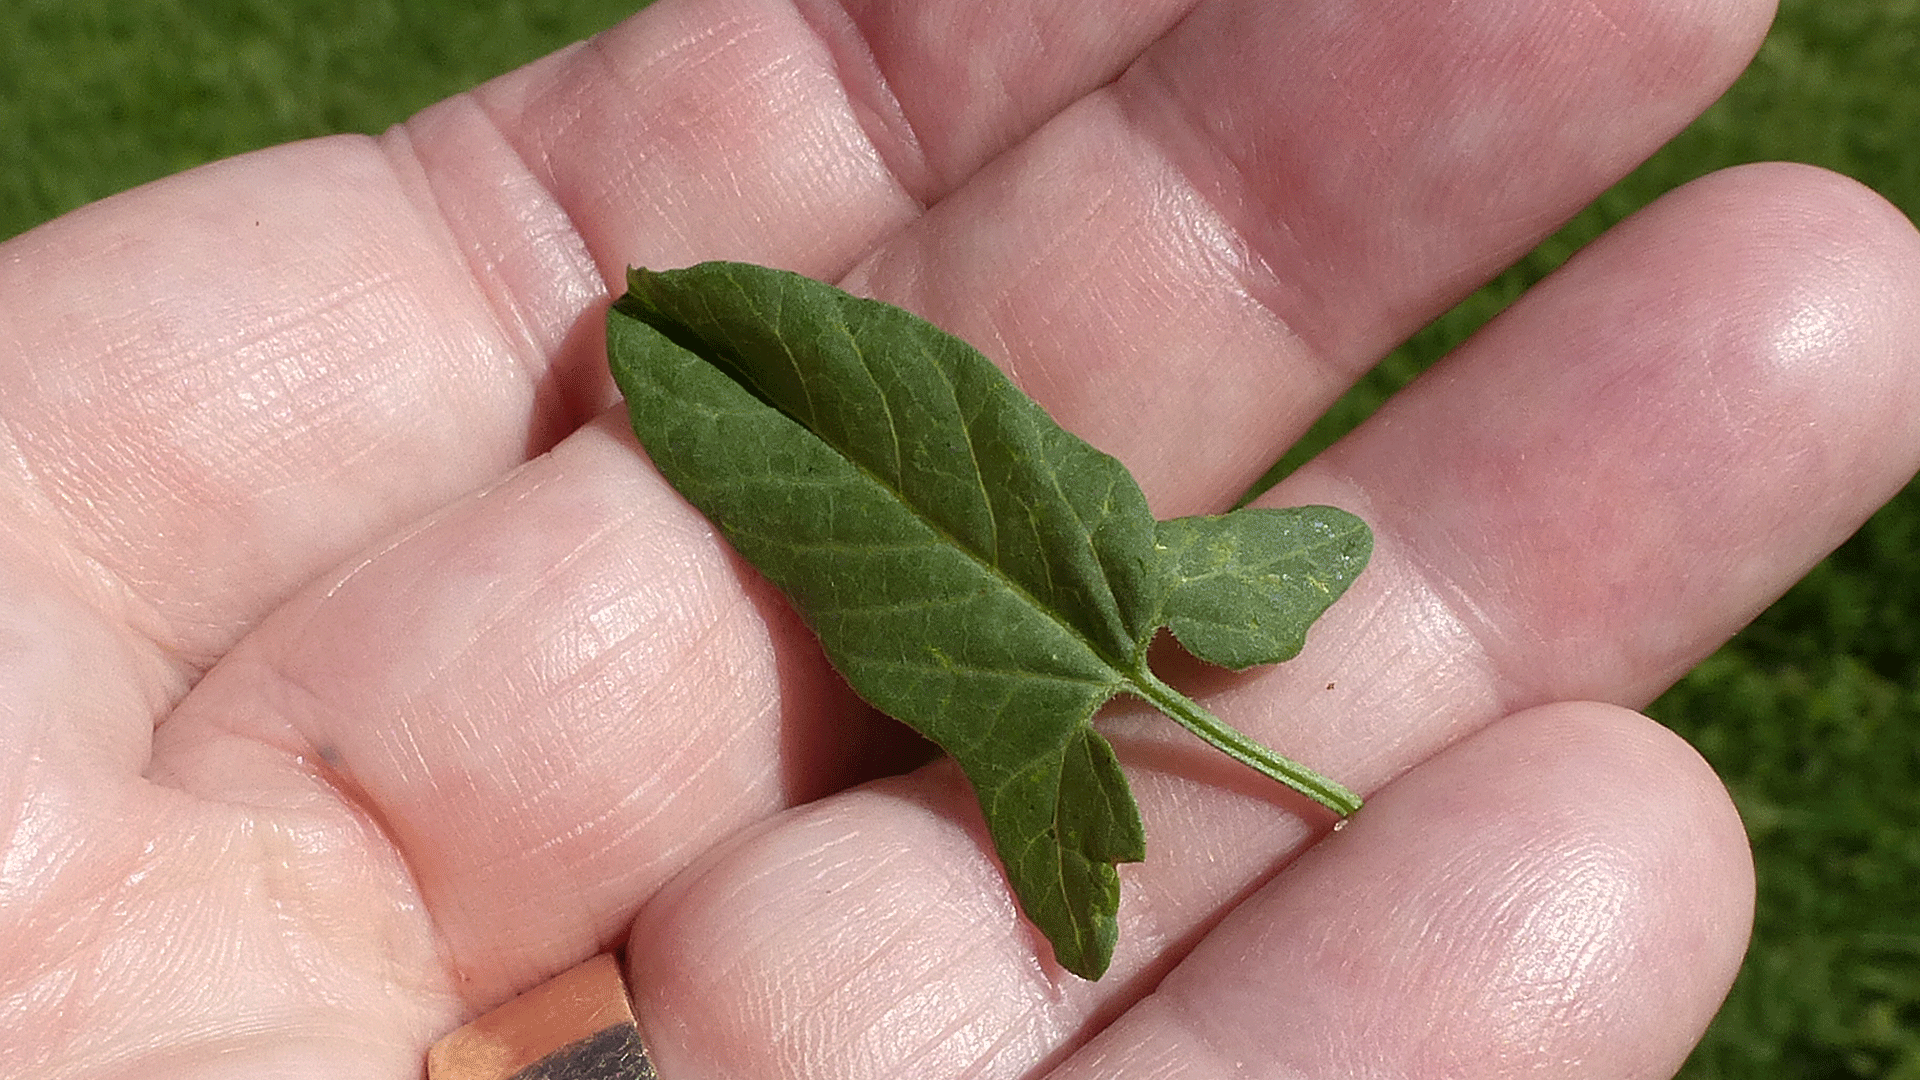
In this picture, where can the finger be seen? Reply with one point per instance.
(220, 385)
(1187, 267)
(1603, 486)
(1567, 893)
(217, 385)
(1742, 267)
(795, 134)
(1523, 897)
(549, 698)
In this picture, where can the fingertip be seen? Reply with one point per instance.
(1826, 261)
(1566, 893)
(1637, 889)
(1633, 784)
(1600, 865)
(1801, 284)
(1648, 448)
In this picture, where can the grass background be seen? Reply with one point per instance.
(1812, 715)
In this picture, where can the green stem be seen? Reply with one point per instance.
(1327, 793)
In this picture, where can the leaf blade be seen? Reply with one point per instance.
(996, 640)
(1247, 584)
(925, 414)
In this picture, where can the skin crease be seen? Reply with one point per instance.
(356, 671)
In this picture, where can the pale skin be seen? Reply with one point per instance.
(357, 671)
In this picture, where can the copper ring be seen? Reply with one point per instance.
(578, 1025)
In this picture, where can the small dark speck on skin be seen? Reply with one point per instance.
(1329, 686)
(331, 753)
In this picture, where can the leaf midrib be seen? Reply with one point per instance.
(1123, 671)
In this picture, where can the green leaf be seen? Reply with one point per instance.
(971, 568)
(1247, 584)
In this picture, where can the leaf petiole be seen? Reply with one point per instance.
(1328, 793)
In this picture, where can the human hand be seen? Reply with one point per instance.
(336, 708)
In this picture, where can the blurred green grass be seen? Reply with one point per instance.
(1812, 715)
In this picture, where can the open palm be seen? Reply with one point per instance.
(357, 671)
